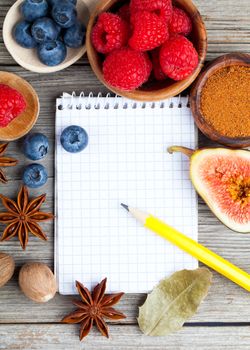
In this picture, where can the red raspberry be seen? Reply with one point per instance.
(148, 64)
(160, 7)
(12, 104)
(149, 31)
(124, 12)
(126, 69)
(158, 73)
(180, 22)
(178, 58)
(109, 33)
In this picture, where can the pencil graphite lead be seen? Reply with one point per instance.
(125, 206)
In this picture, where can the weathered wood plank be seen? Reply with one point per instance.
(220, 12)
(59, 337)
(216, 48)
(225, 303)
(226, 33)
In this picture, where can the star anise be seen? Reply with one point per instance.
(23, 217)
(93, 308)
(5, 162)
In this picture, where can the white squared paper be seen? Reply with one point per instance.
(125, 162)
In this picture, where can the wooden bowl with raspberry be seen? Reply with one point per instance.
(146, 50)
(22, 107)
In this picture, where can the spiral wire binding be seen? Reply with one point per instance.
(84, 102)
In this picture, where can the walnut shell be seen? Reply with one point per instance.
(7, 267)
(37, 282)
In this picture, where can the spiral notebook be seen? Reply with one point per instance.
(126, 161)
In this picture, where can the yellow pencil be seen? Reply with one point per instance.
(193, 248)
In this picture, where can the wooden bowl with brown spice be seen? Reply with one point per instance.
(219, 100)
(152, 90)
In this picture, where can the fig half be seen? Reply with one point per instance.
(222, 178)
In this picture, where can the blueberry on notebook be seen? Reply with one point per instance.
(74, 139)
(33, 9)
(36, 146)
(35, 175)
(22, 35)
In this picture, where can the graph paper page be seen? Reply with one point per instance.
(125, 162)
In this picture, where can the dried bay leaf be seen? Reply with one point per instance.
(173, 301)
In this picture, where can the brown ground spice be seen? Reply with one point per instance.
(225, 101)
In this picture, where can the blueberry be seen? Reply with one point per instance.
(64, 13)
(52, 53)
(45, 29)
(33, 9)
(35, 146)
(74, 139)
(75, 36)
(35, 175)
(22, 35)
(53, 2)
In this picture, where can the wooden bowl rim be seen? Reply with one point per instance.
(31, 66)
(227, 60)
(144, 95)
(34, 95)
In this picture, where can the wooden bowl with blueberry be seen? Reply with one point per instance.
(46, 36)
(146, 49)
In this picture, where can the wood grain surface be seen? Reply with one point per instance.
(223, 319)
(57, 337)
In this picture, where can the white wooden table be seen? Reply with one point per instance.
(223, 320)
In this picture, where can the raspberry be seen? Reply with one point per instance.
(126, 69)
(12, 103)
(149, 31)
(178, 58)
(158, 73)
(148, 64)
(163, 8)
(180, 23)
(109, 33)
(124, 12)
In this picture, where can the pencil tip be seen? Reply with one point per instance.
(125, 206)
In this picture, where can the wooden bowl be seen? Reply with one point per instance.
(151, 91)
(25, 121)
(195, 99)
(28, 58)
